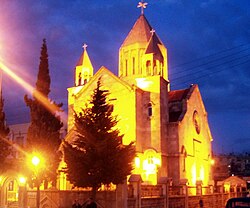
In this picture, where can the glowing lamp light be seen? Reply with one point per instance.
(212, 162)
(35, 160)
(22, 180)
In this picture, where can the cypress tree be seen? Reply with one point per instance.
(95, 155)
(44, 131)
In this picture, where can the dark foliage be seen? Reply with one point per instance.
(96, 155)
(44, 130)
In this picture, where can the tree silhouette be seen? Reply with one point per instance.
(44, 131)
(95, 154)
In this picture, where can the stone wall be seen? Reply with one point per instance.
(110, 199)
(65, 199)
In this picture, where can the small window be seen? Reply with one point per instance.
(133, 59)
(148, 68)
(11, 186)
(150, 110)
(80, 79)
(150, 159)
(126, 68)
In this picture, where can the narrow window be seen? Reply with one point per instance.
(133, 65)
(150, 110)
(154, 68)
(11, 186)
(126, 68)
(148, 68)
(80, 79)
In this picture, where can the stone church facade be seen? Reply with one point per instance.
(169, 128)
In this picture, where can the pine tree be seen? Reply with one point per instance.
(44, 131)
(96, 155)
(4, 131)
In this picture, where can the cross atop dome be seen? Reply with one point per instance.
(142, 5)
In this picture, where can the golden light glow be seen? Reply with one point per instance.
(147, 165)
(137, 162)
(202, 173)
(143, 83)
(227, 187)
(22, 180)
(35, 160)
(212, 161)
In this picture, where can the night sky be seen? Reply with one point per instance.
(208, 43)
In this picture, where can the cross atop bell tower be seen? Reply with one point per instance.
(84, 69)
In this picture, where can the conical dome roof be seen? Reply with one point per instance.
(139, 33)
(84, 60)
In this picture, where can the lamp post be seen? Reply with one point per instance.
(36, 162)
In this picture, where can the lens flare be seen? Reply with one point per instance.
(50, 106)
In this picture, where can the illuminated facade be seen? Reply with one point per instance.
(169, 128)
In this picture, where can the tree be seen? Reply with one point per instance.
(96, 155)
(4, 131)
(44, 131)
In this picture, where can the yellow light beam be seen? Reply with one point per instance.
(39, 96)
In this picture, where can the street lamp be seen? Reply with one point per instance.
(36, 161)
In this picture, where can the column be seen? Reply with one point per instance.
(135, 180)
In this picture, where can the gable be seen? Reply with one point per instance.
(122, 96)
(107, 79)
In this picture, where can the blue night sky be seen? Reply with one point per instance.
(208, 43)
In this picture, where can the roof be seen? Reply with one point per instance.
(235, 181)
(84, 60)
(177, 100)
(153, 46)
(140, 32)
(177, 95)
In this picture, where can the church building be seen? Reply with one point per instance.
(169, 128)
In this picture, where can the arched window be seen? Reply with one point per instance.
(126, 67)
(80, 79)
(85, 78)
(150, 110)
(148, 67)
(133, 62)
(154, 68)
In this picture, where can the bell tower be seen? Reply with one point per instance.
(142, 53)
(84, 69)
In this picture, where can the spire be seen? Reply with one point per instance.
(84, 59)
(139, 33)
(153, 46)
(84, 68)
(142, 53)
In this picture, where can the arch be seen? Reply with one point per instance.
(10, 187)
(151, 163)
